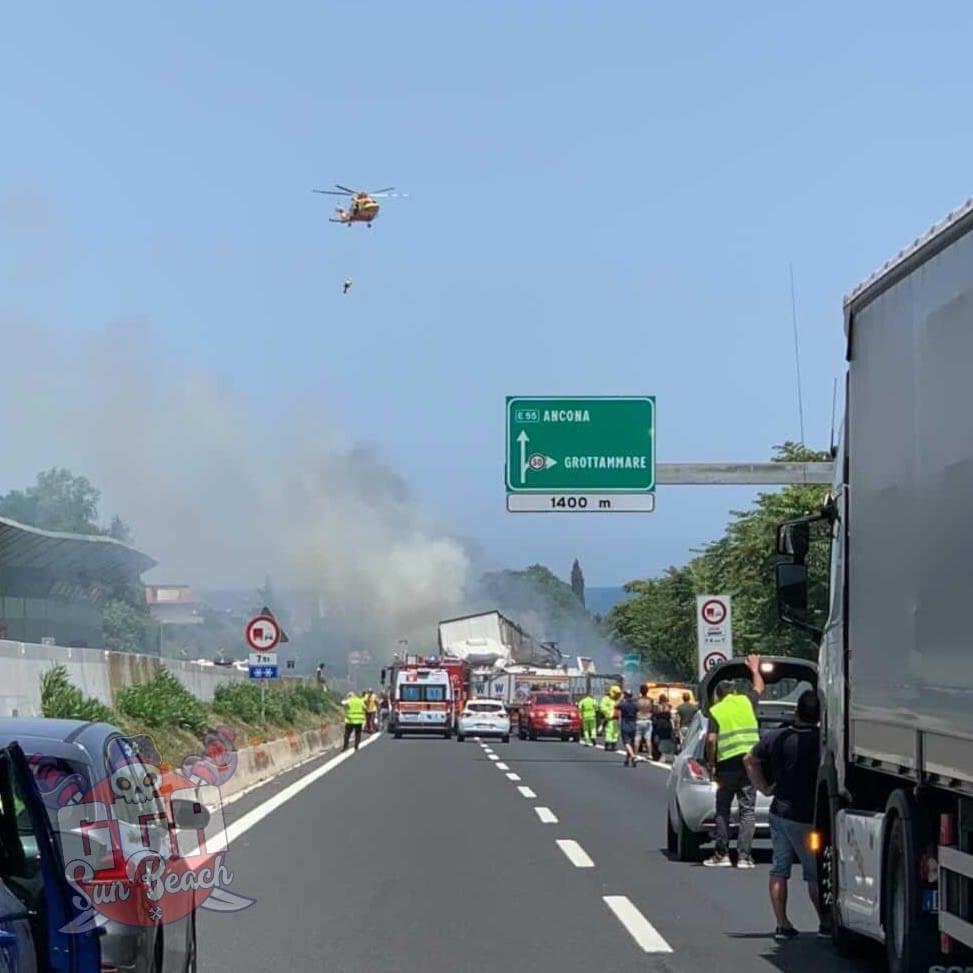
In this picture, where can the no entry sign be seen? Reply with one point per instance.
(263, 633)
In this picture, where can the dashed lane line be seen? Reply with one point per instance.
(526, 792)
(639, 928)
(492, 756)
(546, 815)
(575, 853)
(513, 776)
(500, 765)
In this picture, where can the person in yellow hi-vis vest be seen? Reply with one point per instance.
(607, 706)
(588, 709)
(354, 718)
(370, 699)
(733, 733)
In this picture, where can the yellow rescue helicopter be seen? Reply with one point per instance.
(364, 206)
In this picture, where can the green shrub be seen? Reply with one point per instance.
(239, 699)
(242, 700)
(163, 700)
(61, 700)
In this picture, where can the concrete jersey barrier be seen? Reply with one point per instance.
(99, 673)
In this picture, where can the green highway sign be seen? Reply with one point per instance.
(593, 447)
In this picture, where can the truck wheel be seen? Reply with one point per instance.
(505, 738)
(460, 738)
(910, 933)
(845, 943)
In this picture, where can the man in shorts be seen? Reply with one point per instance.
(628, 712)
(643, 725)
(785, 764)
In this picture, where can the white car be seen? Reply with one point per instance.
(484, 718)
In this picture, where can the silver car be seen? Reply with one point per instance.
(691, 804)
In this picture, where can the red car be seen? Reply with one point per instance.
(550, 714)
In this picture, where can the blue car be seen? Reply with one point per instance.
(35, 899)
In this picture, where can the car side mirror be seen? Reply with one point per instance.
(792, 592)
(794, 539)
(189, 815)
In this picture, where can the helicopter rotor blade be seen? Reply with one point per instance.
(381, 192)
(389, 195)
(351, 192)
(329, 192)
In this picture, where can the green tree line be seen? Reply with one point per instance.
(659, 621)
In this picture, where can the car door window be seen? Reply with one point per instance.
(15, 826)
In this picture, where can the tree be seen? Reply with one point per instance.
(659, 621)
(577, 580)
(61, 501)
(125, 626)
(542, 603)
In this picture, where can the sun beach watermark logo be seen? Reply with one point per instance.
(145, 845)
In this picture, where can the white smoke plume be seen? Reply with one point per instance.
(219, 499)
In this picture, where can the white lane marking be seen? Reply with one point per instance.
(488, 750)
(639, 928)
(500, 765)
(492, 756)
(620, 754)
(546, 815)
(261, 811)
(526, 792)
(575, 853)
(513, 776)
(476, 739)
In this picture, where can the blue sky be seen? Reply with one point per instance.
(604, 199)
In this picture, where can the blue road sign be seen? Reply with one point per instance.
(263, 672)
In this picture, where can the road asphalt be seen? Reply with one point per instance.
(423, 854)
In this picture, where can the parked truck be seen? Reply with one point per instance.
(894, 815)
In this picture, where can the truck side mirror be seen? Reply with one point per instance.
(794, 539)
(792, 592)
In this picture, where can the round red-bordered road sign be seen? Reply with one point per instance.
(263, 633)
(712, 659)
(713, 611)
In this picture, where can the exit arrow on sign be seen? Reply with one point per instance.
(536, 462)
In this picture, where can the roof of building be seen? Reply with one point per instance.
(68, 555)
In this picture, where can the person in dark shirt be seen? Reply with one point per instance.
(785, 764)
(662, 746)
(628, 713)
(685, 712)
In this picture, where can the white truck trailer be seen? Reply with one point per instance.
(894, 819)
(491, 639)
